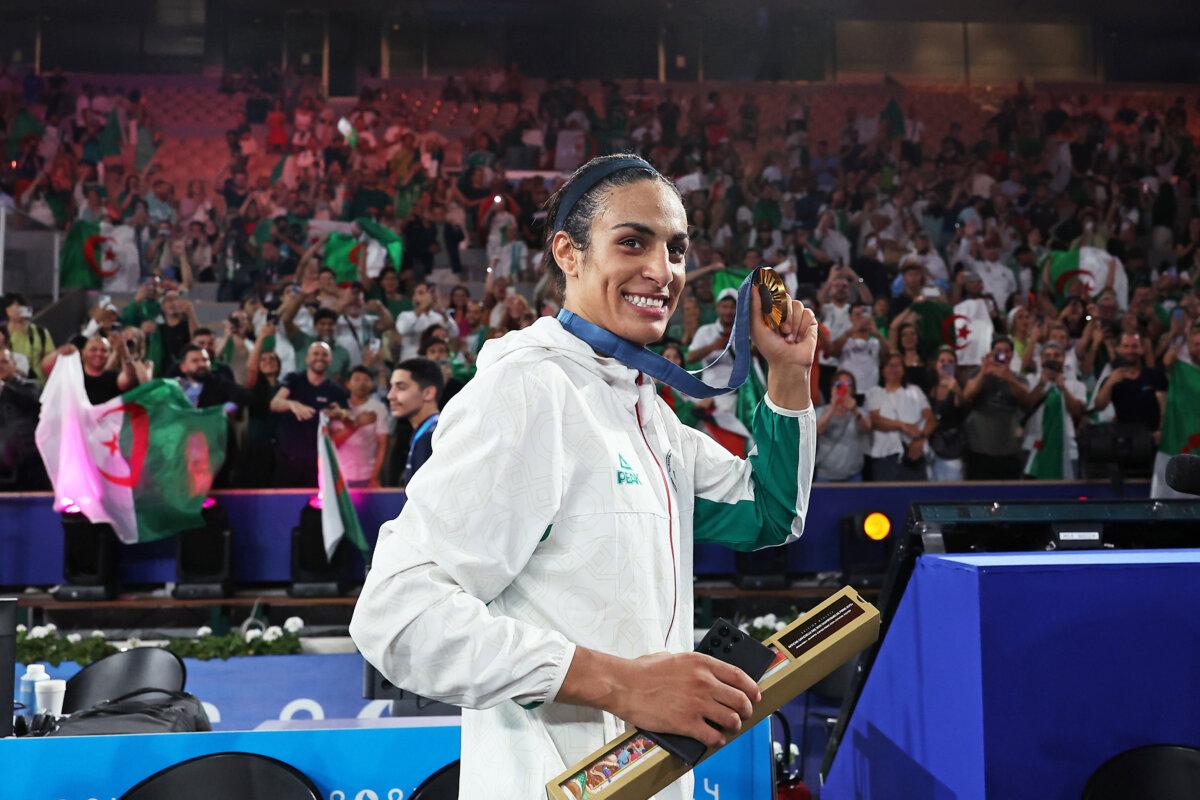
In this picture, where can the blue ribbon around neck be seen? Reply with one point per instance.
(636, 356)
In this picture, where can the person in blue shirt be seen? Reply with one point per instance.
(413, 396)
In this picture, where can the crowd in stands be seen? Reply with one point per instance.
(985, 297)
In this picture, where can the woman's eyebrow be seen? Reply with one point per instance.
(646, 230)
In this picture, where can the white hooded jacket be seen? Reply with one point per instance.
(559, 508)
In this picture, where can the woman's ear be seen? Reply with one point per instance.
(566, 254)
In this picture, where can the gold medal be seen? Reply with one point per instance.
(776, 303)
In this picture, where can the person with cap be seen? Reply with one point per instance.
(707, 345)
(544, 583)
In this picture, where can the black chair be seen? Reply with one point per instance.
(121, 673)
(441, 785)
(1153, 772)
(228, 776)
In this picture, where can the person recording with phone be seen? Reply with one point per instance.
(843, 433)
(997, 399)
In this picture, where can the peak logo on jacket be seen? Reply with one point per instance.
(625, 472)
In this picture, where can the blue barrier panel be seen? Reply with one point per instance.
(243, 693)
(31, 533)
(1018, 674)
(385, 763)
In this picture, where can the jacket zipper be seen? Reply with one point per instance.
(637, 410)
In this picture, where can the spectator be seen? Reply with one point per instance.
(860, 348)
(262, 379)
(996, 399)
(1137, 392)
(107, 372)
(20, 465)
(435, 347)
(360, 431)
(411, 324)
(301, 397)
(174, 332)
(205, 389)
(25, 337)
(843, 433)
(415, 388)
(948, 442)
(1058, 404)
(434, 242)
(901, 422)
(324, 323)
(973, 336)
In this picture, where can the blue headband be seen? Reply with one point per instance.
(590, 177)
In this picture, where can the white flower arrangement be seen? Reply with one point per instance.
(21, 629)
(272, 633)
(74, 638)
(293, 624)
(252, 634)
(38, 632)
(203, 631)
(96, 634)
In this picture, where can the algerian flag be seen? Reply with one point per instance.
(99, 255)
(383, 245)
(338, 517)
(750, 394)
(727, 279)
(345, 251)
(78, 263)
(1180, 425)
(930, 316)
(346, 129)
(1048, 459)
(342, 254)
(1084, 270)
(143, 462)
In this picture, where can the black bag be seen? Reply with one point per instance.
(139, 711)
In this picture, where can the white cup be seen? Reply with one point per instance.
(50, 694)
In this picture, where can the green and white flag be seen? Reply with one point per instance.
(1083, 271)
(1180, 425)
(338, 517)
(143, 462)
(1048, 459)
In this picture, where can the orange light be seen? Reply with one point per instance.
(877, 526)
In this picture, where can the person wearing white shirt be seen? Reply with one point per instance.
(924, 254)
(901, 422)
(858, 350)
(984, 260)
(411, 324)
(706, 347)
(693, 181)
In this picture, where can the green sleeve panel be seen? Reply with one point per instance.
(773, 504)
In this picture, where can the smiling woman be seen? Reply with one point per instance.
(551, 595)
(618, 245)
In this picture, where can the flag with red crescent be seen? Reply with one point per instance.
(143, 462)
(956, 331)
